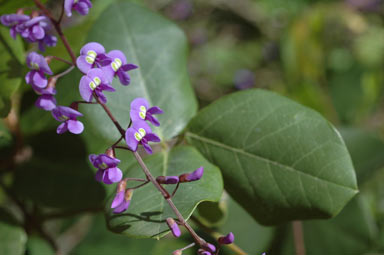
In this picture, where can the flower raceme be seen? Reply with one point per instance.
(107, 172)
(81, 6)
(39, 67)
(68, 117)
(118, 67)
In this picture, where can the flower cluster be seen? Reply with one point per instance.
(34, 29)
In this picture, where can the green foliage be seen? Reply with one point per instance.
(148, 209)
(277, 154)
(12, 235)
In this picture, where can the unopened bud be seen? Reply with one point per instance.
(194, 176)
(177, 252)
(228, 239)
(209, 247)
(173, 227)
(110, 152)
(167, 179)
(124, 203)
(203, 252)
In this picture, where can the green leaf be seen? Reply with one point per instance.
(212, 214)
(148, 210)
(276, 154)
(353, 231)
(38, 246)
(58, 175)
(159, 48)
(366, 149)
(11, 55)
(12, 236)
(250, 236)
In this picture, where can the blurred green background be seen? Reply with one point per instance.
(327, 55)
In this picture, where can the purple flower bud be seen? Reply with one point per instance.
(68, 116)
(194, 176)
(118, 67)
(81, 6)
(173, 227)
(107, 172)
(167, 179)
(121, 203)
(36, 77)
(13, 20)
(228, 239)
(140, 111)
(92, 55)
(94, 81)
(203, 252)
(140, 133)
(209, 247)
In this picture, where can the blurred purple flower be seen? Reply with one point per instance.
(36, 77)
(228, 239)
(33, 29)
(140, 133)
(94, 81)
(68, 117)
(118, 67)
(107, 172)
(180, 9)
(12, 21)
(92, 55)
(46, 102)
(140, 111)
(81, 6)
(48, 40)
(244, 79)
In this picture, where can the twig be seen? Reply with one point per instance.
(298, 236)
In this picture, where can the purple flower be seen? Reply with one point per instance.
(203, 252)
(167, 179)
(46, 101)
(140, 111)
(118, 67)
(193, 176)
(94, 81)
(140, 132)
(122, 200)
(228, 239)
(173, 227)
(107, 172)
(81, 6)
(209, 247)
(39, 67)
(92, 55)
(48, 40)
(33, 29)
(13, 20)
(68, 116)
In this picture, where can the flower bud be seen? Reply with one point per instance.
(203, 252)
(228, 239)
(122, 201)
(110, 152)
(167, 179)
(177, 252)
(174, 227)
(194, 176)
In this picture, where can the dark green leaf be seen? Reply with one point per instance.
(366, 149)
(148, 209)
(212, 214)
(58, 175)
(161, 78)
(280, 160)
(12, 235)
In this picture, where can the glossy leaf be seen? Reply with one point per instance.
(280, 160)
(161, 78)
(12, 236)
(148, 210)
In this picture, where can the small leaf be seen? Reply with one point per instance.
(148, 210)
(280, 160)
(12, 236)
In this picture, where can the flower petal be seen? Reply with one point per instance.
(75, 126)
(62, 128)
(85, 89)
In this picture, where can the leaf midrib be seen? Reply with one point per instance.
(240, 151)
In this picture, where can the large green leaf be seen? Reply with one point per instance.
(12, 236)
(159, 48)
(148, 209)
(280, 160)
(58, 174)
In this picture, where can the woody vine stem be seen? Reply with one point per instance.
(57, 24)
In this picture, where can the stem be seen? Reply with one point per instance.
(64, 73)
(61, 14)
(140, 185)
(61, 60)
(298, 237)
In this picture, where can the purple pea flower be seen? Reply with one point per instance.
(48, 40)
(140, 111)
(122, 200)
(94, 81)
(193, 176)
(118, 67)
(33, 29)
(81, 6)
(107, 172)
(46, 101)
(68, 116)
(228, 239)
(167, 179)
(173, 227)
(12, 21)
(39, 67)
(92, 55)
(140, 132)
